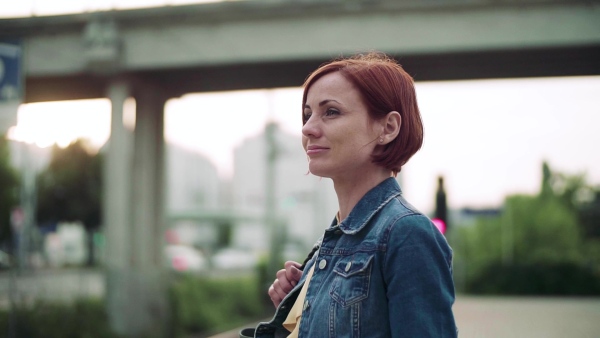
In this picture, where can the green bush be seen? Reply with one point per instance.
(206, 306)
(85, 318)
(200, 306)
(565, 279)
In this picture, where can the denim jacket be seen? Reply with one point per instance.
(384, 271)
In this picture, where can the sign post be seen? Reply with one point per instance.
(11, 82)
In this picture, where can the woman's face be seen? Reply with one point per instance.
(338, 136)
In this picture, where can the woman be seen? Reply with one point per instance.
(381, 269)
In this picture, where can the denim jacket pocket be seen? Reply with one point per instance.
(352, 279)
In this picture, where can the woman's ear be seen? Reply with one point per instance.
(391, 127)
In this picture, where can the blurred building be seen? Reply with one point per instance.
(468, 216)
(305, 203)
(192, 186)
(192, 180)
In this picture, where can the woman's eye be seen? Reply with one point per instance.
(307, 116)
(331, 112)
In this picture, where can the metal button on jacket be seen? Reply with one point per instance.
(322, 264)
(348, 266)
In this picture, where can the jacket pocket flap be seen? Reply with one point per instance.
(354, 264)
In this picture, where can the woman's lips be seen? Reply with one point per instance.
(314, 150)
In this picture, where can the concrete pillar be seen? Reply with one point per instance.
(136, 278)
(149, 297)
(271, 209)
(117, 208)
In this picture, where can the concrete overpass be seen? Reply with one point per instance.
(161, 53)
(276, 43)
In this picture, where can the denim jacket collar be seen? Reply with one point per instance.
(368, 206)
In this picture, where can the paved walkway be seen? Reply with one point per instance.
(519, 317)
(527, 317)
(477, 317)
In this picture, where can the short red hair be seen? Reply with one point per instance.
(385, 86)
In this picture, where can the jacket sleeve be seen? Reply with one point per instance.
(418, 275)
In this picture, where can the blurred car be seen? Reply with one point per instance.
(4, 260)
(183, 258)
(232, 258)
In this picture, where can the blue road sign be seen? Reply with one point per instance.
(11, 82)
(11, 87)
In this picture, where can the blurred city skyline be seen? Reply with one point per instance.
(487, 137)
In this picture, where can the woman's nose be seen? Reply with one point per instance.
(311, 128)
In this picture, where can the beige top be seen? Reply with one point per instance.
(292, 322)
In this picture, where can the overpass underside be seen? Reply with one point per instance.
(518, 63)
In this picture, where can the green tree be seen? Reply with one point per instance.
(544, 230)
(536, 246)
(69, 189)
(589, 214)
(583, 199)
(572, 189)
(9, 192)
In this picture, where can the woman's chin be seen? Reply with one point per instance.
(317, 170)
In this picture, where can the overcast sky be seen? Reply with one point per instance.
(24, 8)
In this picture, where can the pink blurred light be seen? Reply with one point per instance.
(441, 225)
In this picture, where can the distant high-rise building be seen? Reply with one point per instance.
(192, 180)
(193, 186)
(305, 203)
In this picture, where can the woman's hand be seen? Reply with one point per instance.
(286, 279)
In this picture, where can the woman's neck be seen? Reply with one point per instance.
(350, 190)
